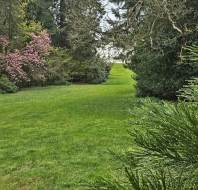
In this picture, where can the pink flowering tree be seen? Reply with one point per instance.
(23, 65)
(41, 43)
(34, 55)
(4, 42)
(13, 67)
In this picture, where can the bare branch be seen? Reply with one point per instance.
(170, 18)
(151, 33)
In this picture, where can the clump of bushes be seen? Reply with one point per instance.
(160, 75)
(26, 66)
(6, 86)
(38, 64)
(190, 91)
(59, 62)
(64, 67)
(93, 71)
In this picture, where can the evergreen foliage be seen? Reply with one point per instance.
(6, 86)
(166, 138)
(190, 91)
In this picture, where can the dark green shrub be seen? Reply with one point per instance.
(94, 71)
(54, 77)
(125, 66)
(190, 92)
(146, 180)
(160, 75)
(63, 67)
(59, 67)
(6, 86)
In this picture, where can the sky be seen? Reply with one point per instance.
(108, 52)
(108, 7)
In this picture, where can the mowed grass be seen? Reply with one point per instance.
(59, 137)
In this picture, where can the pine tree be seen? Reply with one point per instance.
(11, 16)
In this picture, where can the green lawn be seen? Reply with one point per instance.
(56, 138)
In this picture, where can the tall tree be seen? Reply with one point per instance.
(11, 14)
(86, 30)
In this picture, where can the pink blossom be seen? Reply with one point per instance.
(31, 56)
(13, 67)
(4, 41)
(41, 43)
(21, 64)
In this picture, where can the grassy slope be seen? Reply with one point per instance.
(57, 137)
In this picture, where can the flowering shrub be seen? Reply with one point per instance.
(31, 56)
(13, 67)
(40, 43)
(4, 41)
(6, 86)
(20, 66)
